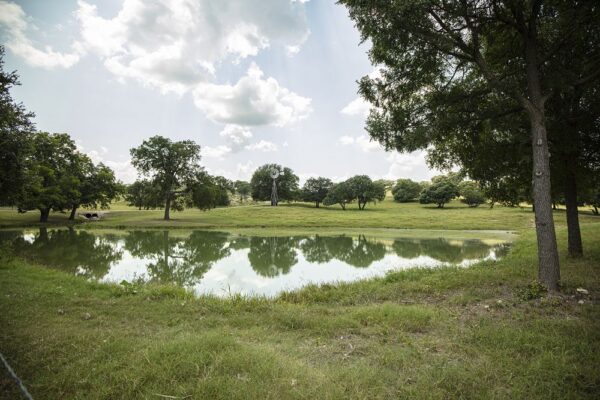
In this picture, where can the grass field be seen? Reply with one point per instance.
(387, 214)
(479, 332)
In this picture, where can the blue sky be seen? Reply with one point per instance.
(252, 82)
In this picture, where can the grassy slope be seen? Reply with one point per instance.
(417, 333)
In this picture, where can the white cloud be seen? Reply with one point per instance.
(175, 44)
(178, 45)
(237, 137)
(346, 140)
(363, 142)
(215, 152)
(263, 145)
(358, 106)
(15, 25)
(409, 165)
(242, 171)
(251, 101)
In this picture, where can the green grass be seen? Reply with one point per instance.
(387, 214)
(444, 333)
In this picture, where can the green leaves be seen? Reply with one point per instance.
(262, 183)
(315, 189)
(168, 164)
(441, 191)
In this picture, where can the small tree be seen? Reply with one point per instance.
(440, 192)
(223, 186)
(204, 192)
(406, 190)
(388, 184)
(315, 190)
(340, 193)
(170, 165)
(262, 183)
(97, 185)
(471, 193)
(364, 190)
(243, 189)
(143, 194)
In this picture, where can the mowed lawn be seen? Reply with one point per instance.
(478, 332)
(387, 214)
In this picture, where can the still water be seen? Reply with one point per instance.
(225, 263)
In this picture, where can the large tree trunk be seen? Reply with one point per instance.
(549, 268)
(167, 209)
(44, 213)
(574, 233)
(73, 211)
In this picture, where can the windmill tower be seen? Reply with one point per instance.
(275, 173)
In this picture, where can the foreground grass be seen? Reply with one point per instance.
(446, 333)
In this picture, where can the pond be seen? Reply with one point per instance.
(222, 263)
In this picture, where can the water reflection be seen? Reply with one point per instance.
(182, 261)
(450, 251)
(76, 252)
(272, 256)
(209, 260)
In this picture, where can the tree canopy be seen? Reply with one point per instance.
(315, 190)
(262, 183)
(441, 190)
(406, 190)
(170, 165)
(16, 129)
(364, 190)
(51, 182)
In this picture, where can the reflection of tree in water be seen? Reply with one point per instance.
(239, 243)
(452, 251)
(75, 252)
(359, 252)
(182, 261)
(316, 249)
(272, 256)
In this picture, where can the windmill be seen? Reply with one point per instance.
(275, 173)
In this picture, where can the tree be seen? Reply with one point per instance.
(223, 186)
(16, 129)
(262, 183)
(243, 189)
(504, 49)
(50, 182)
(406, 190)
(364, 190)
(97, 185)
(388, 184)
(340, 193)
(143, 194)
(440, 192)
(204, 192)
(471, 193)
(170, 165)
(315, 190)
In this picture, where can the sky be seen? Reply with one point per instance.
(251, 81)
